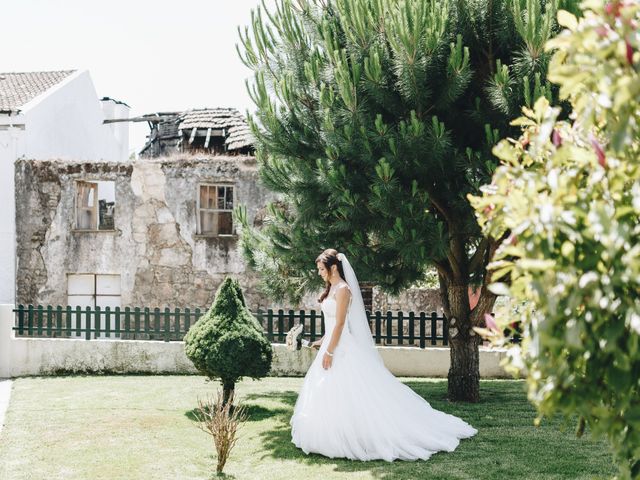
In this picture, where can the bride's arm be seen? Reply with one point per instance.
(342, 302)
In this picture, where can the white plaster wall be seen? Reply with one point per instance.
(120, 130)
(52, 356)
(67, 123)
(401, 361)
(12, 144)
(6, 339)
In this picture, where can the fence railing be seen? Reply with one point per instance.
(388, 328)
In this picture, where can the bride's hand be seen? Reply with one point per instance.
(327, 360)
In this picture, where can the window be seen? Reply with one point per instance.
(93, 290)
(215, 206)
(95, 205)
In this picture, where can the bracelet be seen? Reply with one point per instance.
(330, 354)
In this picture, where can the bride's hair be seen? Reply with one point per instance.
(329, 258)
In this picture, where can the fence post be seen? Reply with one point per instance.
(312, 326)
(187, 320)
(292, 320)
(167, 324)
(21, 311)
(389, 339)
(434, 328)
(87, 332)
(412, 328)
(7, 335)
(445, 330)
(280, 325)
(177, 324)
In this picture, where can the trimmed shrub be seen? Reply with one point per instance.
(227, 343)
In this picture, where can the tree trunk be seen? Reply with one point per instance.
(464, 369)
(464, 372)
(227, 392)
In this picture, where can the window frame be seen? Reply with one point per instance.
(95, 295)
(199, 209)
(95, 208)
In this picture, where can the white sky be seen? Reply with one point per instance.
(154, 55)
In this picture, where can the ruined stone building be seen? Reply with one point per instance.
(157, 231)
(154, 232)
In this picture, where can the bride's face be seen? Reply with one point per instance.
(322, 271)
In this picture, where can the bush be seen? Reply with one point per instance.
(567, 200)
(227, 342)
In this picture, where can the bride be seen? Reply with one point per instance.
(350, 405)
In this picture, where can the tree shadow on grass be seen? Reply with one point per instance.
(256, 412)
(287, 397)
(221, 476)
(506, 436)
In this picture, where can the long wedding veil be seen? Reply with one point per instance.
(357, 322)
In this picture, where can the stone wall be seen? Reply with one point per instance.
(411, 300)
(155, 248)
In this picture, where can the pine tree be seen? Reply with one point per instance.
(375, 119)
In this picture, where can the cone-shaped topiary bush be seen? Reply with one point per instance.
(227, 342)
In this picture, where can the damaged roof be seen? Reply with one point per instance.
(234, 124)
(180, 129)
(18, 89)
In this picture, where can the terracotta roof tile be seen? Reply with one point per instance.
(17, 89)
(235, 124)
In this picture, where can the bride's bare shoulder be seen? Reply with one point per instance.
(343, 289)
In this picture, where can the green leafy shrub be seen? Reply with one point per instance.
(227, 342)
(567, 197)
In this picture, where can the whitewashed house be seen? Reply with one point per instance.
(50, 115)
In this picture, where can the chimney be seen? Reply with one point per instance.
(116, 110)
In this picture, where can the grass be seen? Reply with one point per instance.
(142, 427)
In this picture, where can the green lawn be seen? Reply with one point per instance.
(141, 427)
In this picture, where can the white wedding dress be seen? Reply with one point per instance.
(357, 409)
